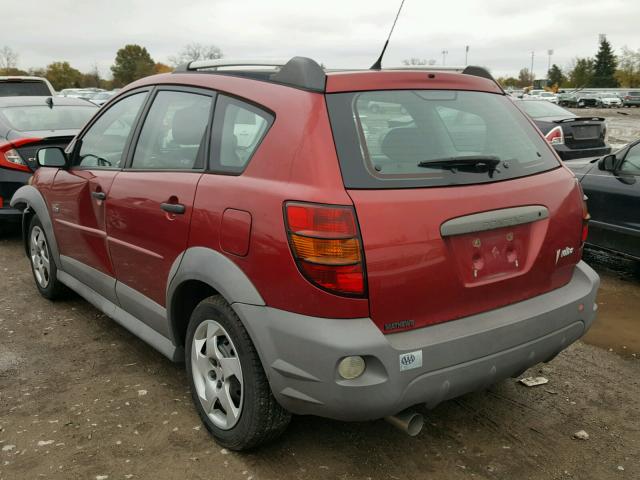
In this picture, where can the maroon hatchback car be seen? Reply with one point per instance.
(343, 244)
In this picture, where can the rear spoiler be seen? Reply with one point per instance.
(580, 119)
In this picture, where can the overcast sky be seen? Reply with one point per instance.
(339, 33)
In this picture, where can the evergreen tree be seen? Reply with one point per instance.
(581, 75)
(605, 67)
(132, 62)
(555, 76)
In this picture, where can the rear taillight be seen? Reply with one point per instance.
(585, 219)
(585, 216)
(555, 136)
(10, 158)
(326, 244)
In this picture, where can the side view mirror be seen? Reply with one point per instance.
(52, 157)
(607, 163)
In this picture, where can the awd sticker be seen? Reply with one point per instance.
(411, 360)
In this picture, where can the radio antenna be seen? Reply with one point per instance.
(378, 64)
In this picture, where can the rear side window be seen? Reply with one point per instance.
(173, 134)
(238, 129)
(386, 139)
(24, 89)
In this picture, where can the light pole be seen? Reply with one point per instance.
(533, 77)
(444, 57)
(466, 55)
(550, 53)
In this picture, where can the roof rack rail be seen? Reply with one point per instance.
(300, 72)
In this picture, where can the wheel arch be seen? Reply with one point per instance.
(198, 273)
(28, 199)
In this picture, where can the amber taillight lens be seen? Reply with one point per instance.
(326, 244)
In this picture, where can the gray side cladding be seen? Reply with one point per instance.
(28, 196)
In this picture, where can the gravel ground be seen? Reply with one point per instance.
(81, 398)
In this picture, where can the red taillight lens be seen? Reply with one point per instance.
(555, 136)
(585, 218)
(10, 158)
(327, 247)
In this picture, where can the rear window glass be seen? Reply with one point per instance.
(33, 118)
(543, 109)
(24, 89)
(387, 139)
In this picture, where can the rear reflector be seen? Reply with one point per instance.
(327, 246)
(555, 136)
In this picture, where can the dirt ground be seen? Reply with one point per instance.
(81, 398)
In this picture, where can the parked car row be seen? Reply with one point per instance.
(583, 98)
(97, 96)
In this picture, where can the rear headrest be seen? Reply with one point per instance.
(405, 144)
(189, 124)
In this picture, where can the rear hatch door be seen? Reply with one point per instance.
(448, 242)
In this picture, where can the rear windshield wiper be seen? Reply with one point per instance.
(469, 163)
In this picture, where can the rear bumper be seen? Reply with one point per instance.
(567, 153)
(300, 354)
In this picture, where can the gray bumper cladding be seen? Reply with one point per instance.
(300, 354)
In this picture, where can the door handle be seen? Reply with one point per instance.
(99, 195)
(173, 207)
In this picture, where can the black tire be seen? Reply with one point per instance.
(54, 288)
(261, 418)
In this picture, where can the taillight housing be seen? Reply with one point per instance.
(585, 216)
(326, 244)
(9, 156)
(555, 136)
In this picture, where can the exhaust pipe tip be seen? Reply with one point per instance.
(409, 422)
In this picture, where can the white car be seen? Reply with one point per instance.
(23, 86)
(609, 100)
(548, 96)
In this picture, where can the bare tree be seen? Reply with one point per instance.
(196, 51)
(8, 58)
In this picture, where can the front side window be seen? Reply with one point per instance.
(103, 144)
(238, 130)
(631, 163)
(174, 132)
(424, 138)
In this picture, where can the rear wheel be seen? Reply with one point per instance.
(45, 271)
(228, 384)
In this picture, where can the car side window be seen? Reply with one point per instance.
(631, 163)
(103, 144)
(174, 132)
(238, 129)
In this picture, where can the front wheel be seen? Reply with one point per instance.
(228, 384)
(45, 271)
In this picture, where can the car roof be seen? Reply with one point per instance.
(306, 74)
(5, 78)
(29, 101)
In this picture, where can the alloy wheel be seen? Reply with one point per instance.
(40, 257)
(217, 374)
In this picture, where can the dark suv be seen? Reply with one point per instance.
(304, 254)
